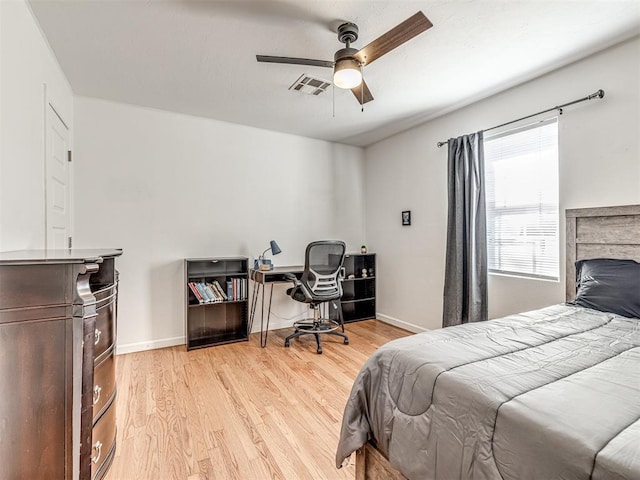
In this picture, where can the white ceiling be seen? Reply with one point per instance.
(198, 58)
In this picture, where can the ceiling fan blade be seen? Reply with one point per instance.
(295, 61)
(395, 37)
(358, 93)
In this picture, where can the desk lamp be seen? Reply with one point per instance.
(266, 264)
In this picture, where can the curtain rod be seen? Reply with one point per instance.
(598, 94)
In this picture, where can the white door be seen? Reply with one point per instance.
(58, 216)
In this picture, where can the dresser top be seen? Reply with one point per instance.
(74, 255)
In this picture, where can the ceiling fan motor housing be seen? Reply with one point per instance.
(344, 53)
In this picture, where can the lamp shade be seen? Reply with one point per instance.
(346, 73)
(275, 249)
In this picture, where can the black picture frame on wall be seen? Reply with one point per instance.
(406, 217)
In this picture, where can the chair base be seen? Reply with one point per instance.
(316, 327)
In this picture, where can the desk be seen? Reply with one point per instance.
(260, 279)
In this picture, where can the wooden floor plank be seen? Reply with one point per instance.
(239, 411)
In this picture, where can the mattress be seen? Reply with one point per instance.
(553, 393)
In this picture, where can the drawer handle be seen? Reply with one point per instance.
(97, 334)
(96, 393)
(98, 448)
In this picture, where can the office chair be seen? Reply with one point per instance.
(320, 283)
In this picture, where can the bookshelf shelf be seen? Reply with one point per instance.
(216, 306)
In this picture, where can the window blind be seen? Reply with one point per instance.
(521, 172)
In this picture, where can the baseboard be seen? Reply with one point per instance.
(400, 323)
(277, 325)
(172, 342)
(273, 325)
(151, 345)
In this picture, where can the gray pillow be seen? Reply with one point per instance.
(609, 285)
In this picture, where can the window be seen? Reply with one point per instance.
(521, 170)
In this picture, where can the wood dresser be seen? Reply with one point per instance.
(57, 371)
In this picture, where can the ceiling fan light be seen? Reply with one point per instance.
(347, 74)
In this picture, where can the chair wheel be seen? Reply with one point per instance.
(319, 351)
(286, 344)
(346, 341)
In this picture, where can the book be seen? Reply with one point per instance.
(219, 290)
(216, 292)
(195, 291)
(229, 289)
(203, 292)
(211, 292)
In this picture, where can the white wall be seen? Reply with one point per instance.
(165, 186)
(26, 66)
(599, 166)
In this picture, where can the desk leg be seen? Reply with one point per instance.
(254, 301)
(263, 341)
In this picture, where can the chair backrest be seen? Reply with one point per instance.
(322, 263)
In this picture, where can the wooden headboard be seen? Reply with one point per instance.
(605, 232)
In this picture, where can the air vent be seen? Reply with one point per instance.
(309, 85)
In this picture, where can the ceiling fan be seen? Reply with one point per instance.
(348, 62)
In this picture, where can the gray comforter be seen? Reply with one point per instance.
(548, 394)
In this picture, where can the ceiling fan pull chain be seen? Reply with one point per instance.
(362, 89)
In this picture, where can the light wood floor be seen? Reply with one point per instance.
(239, 411)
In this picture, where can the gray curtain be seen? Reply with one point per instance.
(465, 283)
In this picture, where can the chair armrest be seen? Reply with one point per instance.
(292, 277)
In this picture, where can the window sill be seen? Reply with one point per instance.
(524, 277)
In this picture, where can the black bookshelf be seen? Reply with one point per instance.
(359, 288)
(210, 323)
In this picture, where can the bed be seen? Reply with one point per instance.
(520, 397)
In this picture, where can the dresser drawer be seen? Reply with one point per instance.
(105, 327)
(104, 384)
(103, 441)
(35, 286)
